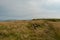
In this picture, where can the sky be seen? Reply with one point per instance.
(28, 9)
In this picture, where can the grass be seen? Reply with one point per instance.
(30, 30)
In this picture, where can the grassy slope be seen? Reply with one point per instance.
(30, 30)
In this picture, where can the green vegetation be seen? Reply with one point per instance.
(54, 20)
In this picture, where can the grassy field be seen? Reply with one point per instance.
(35, 29)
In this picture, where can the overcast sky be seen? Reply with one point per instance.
(28, 9)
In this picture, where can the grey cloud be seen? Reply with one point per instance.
(25, 9)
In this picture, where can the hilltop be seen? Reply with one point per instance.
(36, 29)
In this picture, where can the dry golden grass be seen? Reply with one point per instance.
(30, 30)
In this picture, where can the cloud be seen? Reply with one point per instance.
(15, 8)
(27, 9)
(53, 1)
